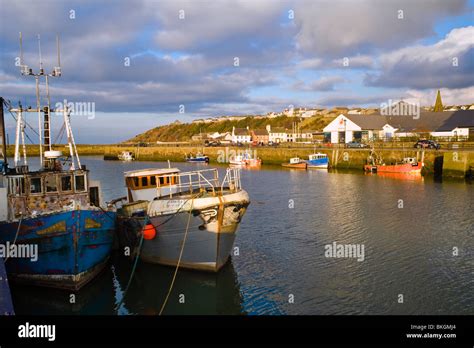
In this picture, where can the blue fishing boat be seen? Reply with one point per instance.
(52, 224)
(318, 160)
(199, 158)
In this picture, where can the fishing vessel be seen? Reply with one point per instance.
(126, 156)
(55, 209)
(318, 160)
(245, 159)
(409, 165)
(296, 163)
(199, 158)
(186, 218)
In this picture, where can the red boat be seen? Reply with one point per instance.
(409, 165)
(296, 163)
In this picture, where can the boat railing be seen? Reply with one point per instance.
(203, 180)
(206, 179)
(232, 179)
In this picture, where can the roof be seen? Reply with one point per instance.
(368, 121)
(151, 171)
(427, 122)
(241, 131)
(260, 132)
(278, 130)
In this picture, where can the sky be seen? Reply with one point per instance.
(145, 63)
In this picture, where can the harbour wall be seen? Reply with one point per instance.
(446, 163)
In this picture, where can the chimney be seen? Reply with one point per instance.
(269, 128)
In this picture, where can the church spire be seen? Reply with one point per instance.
(439, 104)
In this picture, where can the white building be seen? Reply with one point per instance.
(241, 135)
(347, 128)
(277, 134)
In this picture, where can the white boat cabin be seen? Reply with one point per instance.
(147, 184)
(295, 160)
(317, 156)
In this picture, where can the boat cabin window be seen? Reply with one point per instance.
(80, 183)
(35, 185)
(144, 181)
(17, 186)
(66, 183)
(153, 180)
(50, 183)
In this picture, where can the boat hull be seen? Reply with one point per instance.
(73, 247)
(211, 224)
(302, 165)
(396, 168)
(321, 163)
(198, 160)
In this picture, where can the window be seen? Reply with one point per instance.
(162, 180)
(35, 185)
(17, 186)
(80, 183)
(135, 182)
(153, 181)
(66, 183)
(144, 181)
(50, 183)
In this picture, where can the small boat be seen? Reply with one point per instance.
(409, 165)
(126, 156)
(296, 163)
(190, 218)
(318, 160)
(199, 158)
(245, 159)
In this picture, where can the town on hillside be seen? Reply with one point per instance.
(397, 120)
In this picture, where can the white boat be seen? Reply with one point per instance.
(245, 159)
(126, 156)
(186, 217)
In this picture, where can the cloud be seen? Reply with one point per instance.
(325, 83)
(347, 28)
(429, 66)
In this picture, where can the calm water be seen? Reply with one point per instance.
(281, 251)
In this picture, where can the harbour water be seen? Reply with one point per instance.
(410, 230)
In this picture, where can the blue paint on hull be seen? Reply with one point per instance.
(318, 163)
(62, 254)
(198, 160)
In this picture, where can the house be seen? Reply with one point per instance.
(356, 111)
(346, 128)
(260, 136)
(277, 134)
(241, 135)
(309, 113)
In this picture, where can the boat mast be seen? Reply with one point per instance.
(44, 123)
(3, 139)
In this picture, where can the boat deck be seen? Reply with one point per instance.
(6, 305)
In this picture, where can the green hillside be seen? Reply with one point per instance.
(184, 131)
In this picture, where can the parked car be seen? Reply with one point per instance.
(356, 144)
(273, 143)
(427, 144)
(213, 143)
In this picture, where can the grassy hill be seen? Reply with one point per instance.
(184, 131)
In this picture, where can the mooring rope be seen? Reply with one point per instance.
(16, 235)
(179, 259)
(134, 265)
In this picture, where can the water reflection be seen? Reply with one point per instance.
(200, 292)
